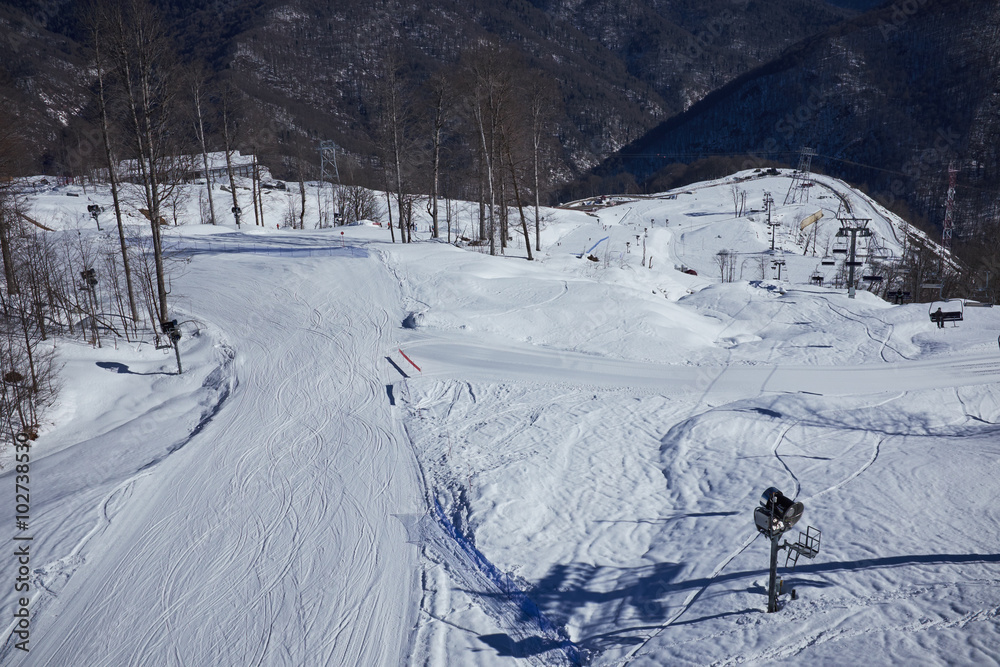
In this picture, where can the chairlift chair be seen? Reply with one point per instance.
(878, 250)
(982, 300)
(898, 297)
(951, 310)
(872, 276)
(934, 285)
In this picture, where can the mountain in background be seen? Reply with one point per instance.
(620, 67)
(647, 94)
(888, 100)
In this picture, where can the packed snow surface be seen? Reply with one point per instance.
(385, 454)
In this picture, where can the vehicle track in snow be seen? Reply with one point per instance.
(836, 633)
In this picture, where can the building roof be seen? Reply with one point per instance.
(194, 162)
(217, 160)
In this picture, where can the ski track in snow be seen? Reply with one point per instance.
(612, 486)
(715, 387)
(269, 538)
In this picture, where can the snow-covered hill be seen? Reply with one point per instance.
(390, 454)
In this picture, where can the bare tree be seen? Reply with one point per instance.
(726, 261)
(440, 105)
(506, 135)
(490, 83)
(27, 369)
(229, 110)
(98, 24)
(144, 65)
(540, 105)
(9, 149)
(357, 203)
(197, 81)
(763, 261)
(301, 167)
(394, 133)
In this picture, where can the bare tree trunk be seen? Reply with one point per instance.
(504, 211)
(6, 217)
(439, 93)
(228, 146)
(143, 62)
(487, 164)
(388, 208)
(517, 196)
(113, 175)
(540, 105)
(200, 130)
(392, 132)
(254, 180)
(302, 191)
(9, 149)
(482, 197)
(409, 219)
(534, 160)
(232, 186)
(435, 231)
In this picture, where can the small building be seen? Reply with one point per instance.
(186, 168)
(242, 165)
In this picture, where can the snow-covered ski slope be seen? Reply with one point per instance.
(561, 469)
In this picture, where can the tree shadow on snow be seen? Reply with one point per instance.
(568, 588)
(508, 647)
(123, 369)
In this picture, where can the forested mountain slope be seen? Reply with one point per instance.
(617, 67)
(889, 100)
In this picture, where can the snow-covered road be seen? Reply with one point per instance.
(444, 355)
(269, 539)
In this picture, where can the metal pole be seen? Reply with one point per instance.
(772, 590)
(177, 353)
(767, 202)
(850, 286)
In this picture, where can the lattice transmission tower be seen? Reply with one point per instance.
(949, 207)
(798, 191)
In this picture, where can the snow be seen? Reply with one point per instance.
(388, 454)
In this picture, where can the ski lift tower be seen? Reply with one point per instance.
(853, 228)
(327, 156)
(769, 204)
(798, 191)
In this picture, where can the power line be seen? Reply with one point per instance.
(776, 154)
(703, 154)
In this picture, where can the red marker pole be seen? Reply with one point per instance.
(410, 360)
